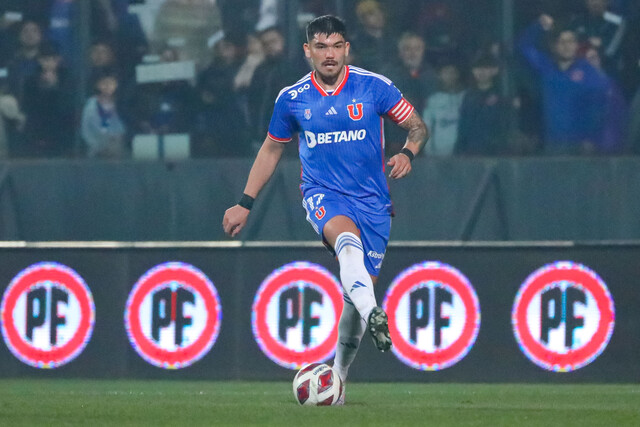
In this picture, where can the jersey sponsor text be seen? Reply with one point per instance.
(314, 139)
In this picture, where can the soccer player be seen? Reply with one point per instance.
(337, 111)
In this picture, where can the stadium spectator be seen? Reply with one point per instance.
(24, 63)
(414, 77)
(114, 24)
(573, 91)
(61, 31)
(254, 56)
(485, 114)
(372, 42)
(102, 59)
(268, 79)
(162, 107)
(598, 27)
(442, 111)
(102, 129)
(616, 117)
(187, 26)
(219, 129)
(48, 106)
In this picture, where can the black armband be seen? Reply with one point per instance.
(408, 153)
(246, 201)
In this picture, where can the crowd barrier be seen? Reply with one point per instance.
(472, 312)
(498, 199)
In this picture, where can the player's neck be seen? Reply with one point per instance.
(330, 84)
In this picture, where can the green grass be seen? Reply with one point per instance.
(181, 403)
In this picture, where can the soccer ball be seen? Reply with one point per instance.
(317, 384)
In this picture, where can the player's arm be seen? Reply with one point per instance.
(235, 218)
(416, 140)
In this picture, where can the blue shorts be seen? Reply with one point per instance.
(322, 205)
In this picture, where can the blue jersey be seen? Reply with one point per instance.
(341, 133)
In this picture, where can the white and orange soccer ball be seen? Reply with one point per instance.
(317, 384)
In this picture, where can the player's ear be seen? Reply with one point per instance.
(347, 46)
(307, 51)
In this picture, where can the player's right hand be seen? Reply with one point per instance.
(235, 218)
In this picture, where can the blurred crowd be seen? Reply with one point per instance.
(568, 82)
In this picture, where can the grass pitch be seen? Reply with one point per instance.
(181, 403)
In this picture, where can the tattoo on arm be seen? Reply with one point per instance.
(418, 132)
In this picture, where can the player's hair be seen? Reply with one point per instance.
(327, 24)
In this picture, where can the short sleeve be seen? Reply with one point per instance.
(281, 127)
(391, 102)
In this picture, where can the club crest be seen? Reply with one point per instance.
(355, 111)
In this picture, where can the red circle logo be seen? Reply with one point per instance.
(563, 316)
(173, 315)
(434, 316)
(47, 315)
(295, 314)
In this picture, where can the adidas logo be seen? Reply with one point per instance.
(357, 285)
(331, 112)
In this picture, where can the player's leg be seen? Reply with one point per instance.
(342, 234)
(351, 329)
(330, 216)
(356, 273)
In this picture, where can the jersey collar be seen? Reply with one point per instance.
(337, 89)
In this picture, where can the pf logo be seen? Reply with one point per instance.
(434, 316)
(295, 314)
(47, 315)
(563, 316)
(173, 315)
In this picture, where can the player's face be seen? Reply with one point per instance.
(327, 54)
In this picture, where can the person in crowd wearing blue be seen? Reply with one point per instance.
(573, 91)
(102, 129)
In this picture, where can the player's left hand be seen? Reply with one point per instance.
(400, 166)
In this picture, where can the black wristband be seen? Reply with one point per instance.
(408, 153)
(246, 201)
